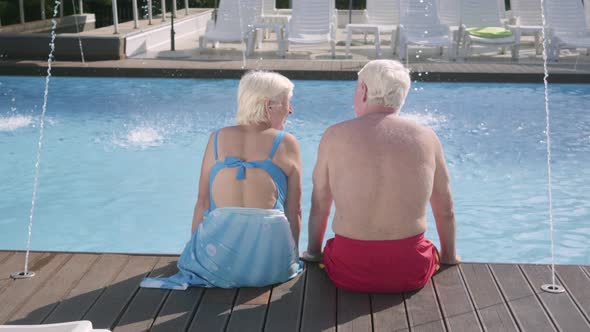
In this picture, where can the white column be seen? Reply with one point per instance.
(163, 10)
(43, 9)
(150, 12)
(115, 16)
(81, 6)
(21, 8)
(174, 8)
(135, 18)
(186, 7)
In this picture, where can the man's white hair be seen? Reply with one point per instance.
(387, 81)
(255, 90)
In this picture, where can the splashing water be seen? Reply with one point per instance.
(12, 123)
(144, 136)
(430, 120)
(41, 127)
(78, 32)
(548, 139)
(243, 42)
(141, 137)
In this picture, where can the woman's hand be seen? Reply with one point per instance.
(311, 257)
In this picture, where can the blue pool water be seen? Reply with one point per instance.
(121, 160)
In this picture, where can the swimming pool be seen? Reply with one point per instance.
(121, 160)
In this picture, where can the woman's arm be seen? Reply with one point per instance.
(293, 202)
(203, 197)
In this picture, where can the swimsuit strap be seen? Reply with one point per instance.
(215, 143)
(276, 143)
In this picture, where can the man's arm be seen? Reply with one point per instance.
(441, 201)
(321, 200)
(293, 201)
(203, 198)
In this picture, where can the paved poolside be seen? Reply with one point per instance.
(103, 288)
(312, 61)
(296, 69)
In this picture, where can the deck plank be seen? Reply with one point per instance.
(177, 312)
(147, 302)
(18, 291)
(389, 313)
(577, 284)
(527, 310)
(354, 311)
(454, 300)
(89, 288)
(249, 311)
(286, 300)
(487, 299)
(14, 263)
(560, 306)
(108, 307)
(319, 303)
(423, 310)
(41, 303)
(214, 311)
(4, 255)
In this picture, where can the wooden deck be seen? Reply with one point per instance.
(103, 288)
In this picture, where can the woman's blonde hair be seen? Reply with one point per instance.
(255, 90)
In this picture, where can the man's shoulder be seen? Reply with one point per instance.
(342, 126)
(415, 125)
(333, 132)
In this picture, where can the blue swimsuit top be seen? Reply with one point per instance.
(276, 173)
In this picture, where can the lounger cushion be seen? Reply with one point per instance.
(489, 32)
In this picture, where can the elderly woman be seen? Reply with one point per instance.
(248, 214)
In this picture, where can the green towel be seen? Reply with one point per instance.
(489, 32)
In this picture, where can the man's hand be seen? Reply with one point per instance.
(450, 260)
(312, 258)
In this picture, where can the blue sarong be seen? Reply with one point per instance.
(236, 247)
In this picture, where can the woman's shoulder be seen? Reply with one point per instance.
(289, 138)
(289, 145)
(270, 134)
(227, 129)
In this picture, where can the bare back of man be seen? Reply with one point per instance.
(381, 169)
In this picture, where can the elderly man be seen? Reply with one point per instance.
(381, 171)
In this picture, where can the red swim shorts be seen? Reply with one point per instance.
(382, 266)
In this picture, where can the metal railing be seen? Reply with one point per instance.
(80, 11)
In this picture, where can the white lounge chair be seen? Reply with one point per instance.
(502, 8)
(266, 23)
(312, 22)
(420, 25)
(449, 12)
(233, 24)
(477, 14)
(567, 27)
(78, 326)
(381, 16)
(526, 17)
(271, 15)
